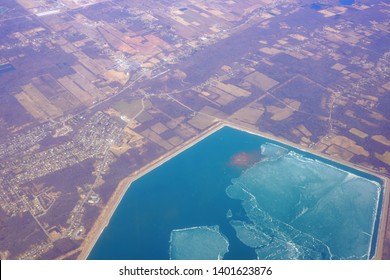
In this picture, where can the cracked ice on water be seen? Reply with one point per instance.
(300, 208)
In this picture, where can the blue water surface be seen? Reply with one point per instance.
(187, 191)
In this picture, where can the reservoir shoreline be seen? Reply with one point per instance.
(108, 211)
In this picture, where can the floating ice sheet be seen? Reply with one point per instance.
(229, 214)
(299, 208)
(272, 151)
(198, 243)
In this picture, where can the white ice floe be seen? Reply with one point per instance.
(198, 243)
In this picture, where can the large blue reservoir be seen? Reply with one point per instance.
(236, 195)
